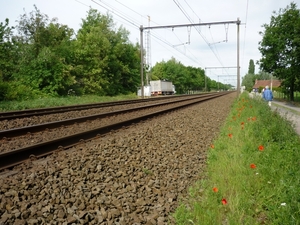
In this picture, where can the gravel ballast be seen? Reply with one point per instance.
(135, 176)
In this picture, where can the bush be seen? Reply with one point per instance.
(16, 91)
(4, 87)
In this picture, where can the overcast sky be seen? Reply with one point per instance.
(203, 46)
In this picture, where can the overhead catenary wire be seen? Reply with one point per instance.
(132, 21)
(191, 21)
(211, 46)
(170, 45)
(120, 14)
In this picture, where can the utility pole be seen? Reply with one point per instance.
(238, 86)
(186, 25)
(148, 54)
(142, 62)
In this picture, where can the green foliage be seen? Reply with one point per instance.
(185, 78)
(46, 101)
(105, 62)
(248, 81)
(45, 54)
(48, 58)
(3, 90)
(254, 164)
(280, 46)
(7, 50)
(19, 91)
(251, 69)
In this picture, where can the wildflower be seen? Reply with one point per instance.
(283, 204)
(256, 173)
(254, 118)
(215, 189)
(261, 148)
(212, 146)
(250, 106)
(242, 123)
(224, 201)
(252, 166)
(230, 135)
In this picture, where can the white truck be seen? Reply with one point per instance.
(162, 87)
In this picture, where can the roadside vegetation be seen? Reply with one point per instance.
(60, 101)
(41, 57)
(252, 175)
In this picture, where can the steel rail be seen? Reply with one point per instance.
(18, 156)
(60, 109)
(51, 125)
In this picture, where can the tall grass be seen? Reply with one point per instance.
(253, 172)
(59, 101)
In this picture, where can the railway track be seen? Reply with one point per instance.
(118, 120)
(10, 115)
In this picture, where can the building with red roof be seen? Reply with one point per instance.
(263, 83)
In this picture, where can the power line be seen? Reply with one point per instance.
(170, 45)
(191, 21)
(129, 19)
(120, 14)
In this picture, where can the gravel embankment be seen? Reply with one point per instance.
(136, 176)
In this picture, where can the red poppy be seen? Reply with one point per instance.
(215, 189)
(212, 146)
(224, 201)
(254, 118)
(261, 148)
(230, 135)
(242, 123)
(252, 166)
(250, 106)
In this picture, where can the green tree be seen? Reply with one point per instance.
(44, 52)
(184, 78)
(280, 47)
(106, 63)
(7, 50)
(248, 81)
(251, 69)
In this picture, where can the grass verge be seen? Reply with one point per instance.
(253, 174)
(59, 101)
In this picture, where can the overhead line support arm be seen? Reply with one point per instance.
(238, 22)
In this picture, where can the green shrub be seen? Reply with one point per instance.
(254, 164)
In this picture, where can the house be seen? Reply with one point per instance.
(260, 84)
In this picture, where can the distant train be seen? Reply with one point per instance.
(158, 87)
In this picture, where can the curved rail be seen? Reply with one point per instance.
(15, 157)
